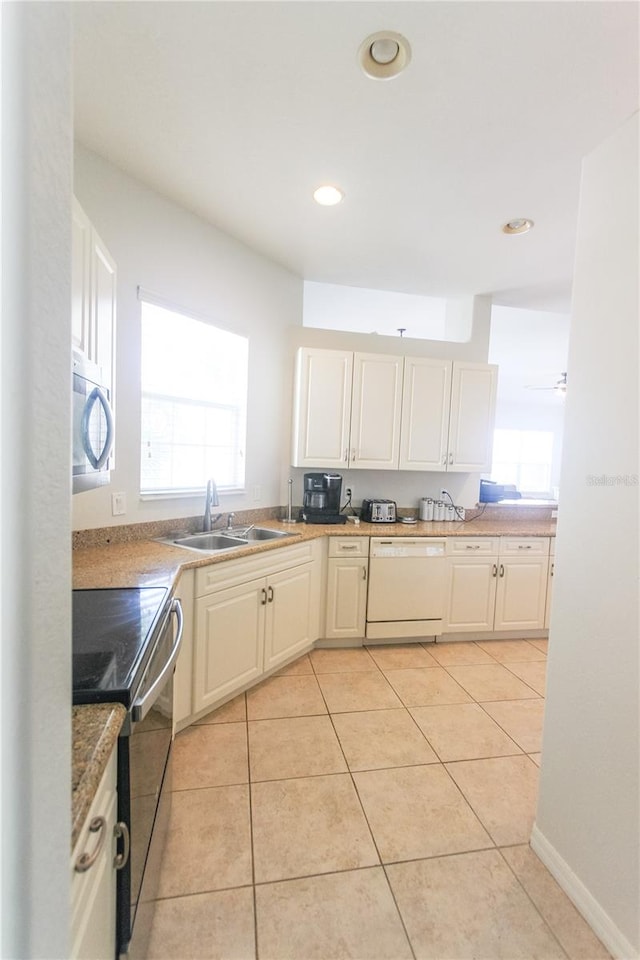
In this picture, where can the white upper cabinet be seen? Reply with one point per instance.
(473, 403)
(375, 412)
(322, 408)
(382, 412)
(426, 402)
(93, 301)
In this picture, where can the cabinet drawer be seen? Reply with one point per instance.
(472, 546)
(230, 573)
(348, 546)
(524, 546)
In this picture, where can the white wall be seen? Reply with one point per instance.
(35, 481)
(169, 251)
(588, 823)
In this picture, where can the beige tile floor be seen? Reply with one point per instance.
(368, 803)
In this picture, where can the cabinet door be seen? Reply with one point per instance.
(426, 401)
(346, 598)
(375, 412)
(521, 594)
(229, 641)
(322, 408)
(289, 614)
(103, 305)
(473, 400)
(547, 609)
(82, 334)
(93, 893)
(471, 594)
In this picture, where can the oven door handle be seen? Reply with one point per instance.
(141, 706)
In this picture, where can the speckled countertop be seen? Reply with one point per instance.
(95, 730)
(150, 563)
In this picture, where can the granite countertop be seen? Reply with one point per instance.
(150, 563)
(95, 729)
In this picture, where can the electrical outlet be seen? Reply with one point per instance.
(443, 494)
(257, 493)
(348, 492)
(118, 504)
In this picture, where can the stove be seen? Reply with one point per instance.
(124, 650)
(113, 630)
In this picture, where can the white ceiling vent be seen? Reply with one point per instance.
(384, 55)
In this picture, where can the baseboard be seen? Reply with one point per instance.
(597, 918)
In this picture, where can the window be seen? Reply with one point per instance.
(194, 399)
(523, 457)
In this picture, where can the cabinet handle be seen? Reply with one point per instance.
(349, 546)
(521, 546)
(86, 860)
(121, 831)
(346, 455)
(553, 566)
(494, 572)
(472, 546)
(353, 455)
(450, 458)
(270, 594)
(263, 591)
(444, 459)
(502, 569)
(364, 573)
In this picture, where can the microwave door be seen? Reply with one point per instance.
(91, 429)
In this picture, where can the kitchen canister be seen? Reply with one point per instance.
(438, 510)
(450, 513)
(426, 508)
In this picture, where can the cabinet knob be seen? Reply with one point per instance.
(86, 860)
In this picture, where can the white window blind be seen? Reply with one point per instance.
(194, 401)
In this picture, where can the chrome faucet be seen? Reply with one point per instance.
(230, 518)
(211, 501)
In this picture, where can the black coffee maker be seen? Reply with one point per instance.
(321, 498)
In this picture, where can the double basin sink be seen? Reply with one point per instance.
(230, 539)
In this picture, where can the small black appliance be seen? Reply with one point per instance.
(321, 498)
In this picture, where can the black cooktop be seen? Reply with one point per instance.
(113, 631)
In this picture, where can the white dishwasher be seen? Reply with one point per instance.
(406, 587)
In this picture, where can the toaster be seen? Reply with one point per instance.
(378, 511)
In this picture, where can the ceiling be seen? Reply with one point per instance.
(238, 110)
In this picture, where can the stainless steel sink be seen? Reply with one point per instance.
(225, 539)
(259, 533)
(210, 542)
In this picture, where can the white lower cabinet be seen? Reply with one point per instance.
(496, 584)
(347, 576)
(552, 566)
(247, 625)
(93, 887)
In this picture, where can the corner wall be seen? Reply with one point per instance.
(588, 823)
(35, 481)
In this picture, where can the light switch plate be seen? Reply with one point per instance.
(118, 504)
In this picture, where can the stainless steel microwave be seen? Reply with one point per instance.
(92, 427)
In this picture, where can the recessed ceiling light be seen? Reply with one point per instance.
(328, 196)
(384, 55)
(519, 225)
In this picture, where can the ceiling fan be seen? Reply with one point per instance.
(560, 386)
